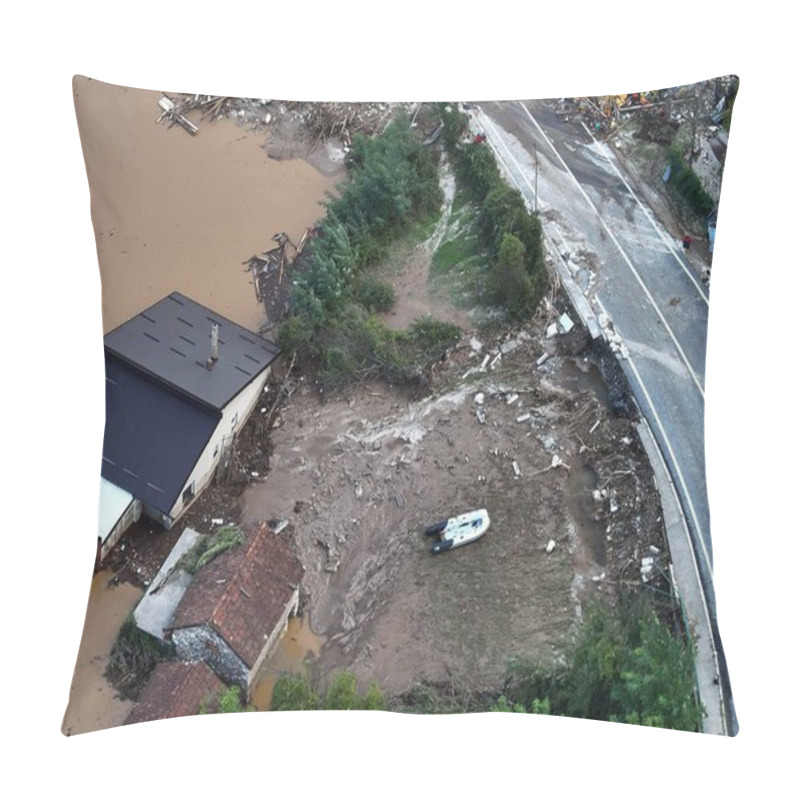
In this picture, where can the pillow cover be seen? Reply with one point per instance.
(404, 406)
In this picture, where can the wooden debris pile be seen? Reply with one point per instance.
(269, 266)
(342, 120)
(173, 113)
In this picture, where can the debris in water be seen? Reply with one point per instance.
(170, 111)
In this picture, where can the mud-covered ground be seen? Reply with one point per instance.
(360, 476)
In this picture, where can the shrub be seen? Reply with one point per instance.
(625, 665)
(687, 184)
(509, 284)
(296, 335)
(375, 294)
(503, 211)
(133, 657)
(227, 701)
(293, 693)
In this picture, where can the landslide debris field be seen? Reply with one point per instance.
(358, 475)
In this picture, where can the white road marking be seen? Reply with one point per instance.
(704, 603)
(668, 445)
(664, 238)
(638, 379)
(657, 419)
(624, 255)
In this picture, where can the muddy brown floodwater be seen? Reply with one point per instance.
(297, 644)
(93, 703)
(175, 212)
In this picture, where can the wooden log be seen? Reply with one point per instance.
(302, 243)
(280, 269)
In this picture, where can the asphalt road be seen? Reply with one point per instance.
(633, 272)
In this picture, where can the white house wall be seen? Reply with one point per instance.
(234, 416)
(274, 637)
(131, 515)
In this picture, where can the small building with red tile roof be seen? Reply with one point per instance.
(176, 689)
(238, 605)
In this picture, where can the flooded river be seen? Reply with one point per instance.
(173, 211)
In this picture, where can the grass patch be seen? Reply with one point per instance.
(422, 229)
(209, 547)
(454, 252)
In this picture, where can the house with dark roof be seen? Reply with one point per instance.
(237, 607)
(181, 381)
(176, 689)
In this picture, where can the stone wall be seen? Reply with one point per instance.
(201, 643)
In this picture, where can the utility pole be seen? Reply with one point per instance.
(535, 180)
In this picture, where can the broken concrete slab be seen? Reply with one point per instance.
(156, 609)
(509, 347)
(565, 323)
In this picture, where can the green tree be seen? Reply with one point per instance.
(503, 705)
(227, 701)
(373, 700)
(508, 280)
(656, 682)
(625, 665)
(343, 693)
(293, 693)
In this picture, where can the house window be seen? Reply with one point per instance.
(188, 493)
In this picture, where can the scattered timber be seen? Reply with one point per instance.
(273, 262)
(170, 112)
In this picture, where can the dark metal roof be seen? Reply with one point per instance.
(153, 435)
(171, 341)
